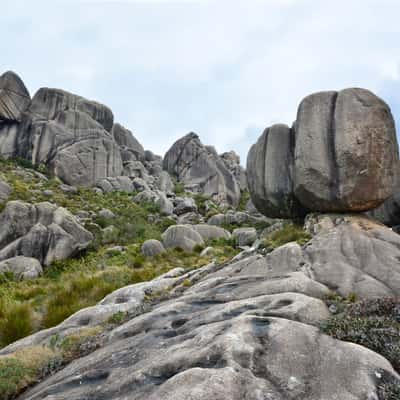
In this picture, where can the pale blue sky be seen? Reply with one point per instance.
(225, 69)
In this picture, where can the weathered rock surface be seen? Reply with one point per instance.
(247, 329)
(208, 232)
(201, 170)
(232, 162)
(341, 156)
(184, 205)
(116, 184)
(14, 97)
(22, 267)
(245, 236)
(270, 164)
(182, 236)
(42, 231)
(131, 149)
(346, 151)
(5, 190)
(152, 247)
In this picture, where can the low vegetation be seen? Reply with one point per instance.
(67, 286)
(288, 233)
(28, 366)
(374, 324)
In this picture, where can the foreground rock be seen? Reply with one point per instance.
(341, 156)
(42, 231)
(201, 170)
(240, 330)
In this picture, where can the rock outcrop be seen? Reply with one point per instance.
(14, 97)
(201, 170)
(242, 330)
(75, 137)
(341, 156)
(232, 162)
(42, 231)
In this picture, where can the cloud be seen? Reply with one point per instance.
(225, 69)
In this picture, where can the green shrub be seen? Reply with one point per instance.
(16, 322)
(179, 189)
(14, 376)
(200, 201)
(289, 233)
(389, 391)
(244, 198)
(117, 318)
(198, 248)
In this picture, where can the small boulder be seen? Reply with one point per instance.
(181, 236)
(5, 191)
(245, 236)
(22, 267)
(209, 232)
(152, 247)
(68, 189)
(184, 205)
(106, 214)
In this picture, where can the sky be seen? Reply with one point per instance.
(225, 69)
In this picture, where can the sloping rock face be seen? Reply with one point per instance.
(201, 170)
(341, 156)
(42, 231)
(247, 329)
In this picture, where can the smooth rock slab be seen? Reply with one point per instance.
(224, 338)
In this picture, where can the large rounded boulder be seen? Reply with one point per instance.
(346, 151)
(341, 156)
(269, 173)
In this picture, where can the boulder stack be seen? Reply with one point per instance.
(340, 156)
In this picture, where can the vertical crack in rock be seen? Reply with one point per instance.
(333, 165)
